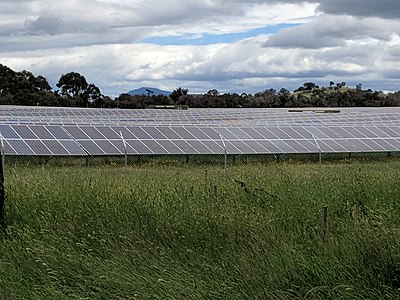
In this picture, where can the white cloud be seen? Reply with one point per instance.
(356, 42)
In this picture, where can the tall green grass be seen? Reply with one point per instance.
(193, 233)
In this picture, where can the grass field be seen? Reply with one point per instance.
(193, 233)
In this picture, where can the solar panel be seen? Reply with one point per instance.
(72, 131)
(58, 132)
(155, 147)
(8, 132)
(241, 146)
(265, 133)
(8, 150)
(126, 133)
(41, 132)
(168, 133)
(91, 132)
(38, 147)
(76, 132)
(108, 133)
(91, 147)
(138, 147)
(108, 147)
(252, 133)
(197, 133)
(256, 146)
(72, 147)
(170, 147)
(139, 133)
(186, 147)
(20, 147)
(201, 147)
(55, 147)
(24, 132)
(183, 133)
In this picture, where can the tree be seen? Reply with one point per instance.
(178, 93)
(23, 88)
(149, 92)
(213, 93)
(308, 86)
(41, 84)
(75, 87)
(7, 80)
(93, 95)
(72, 84)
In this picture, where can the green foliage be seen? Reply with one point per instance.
(23, 88)
(77, 90)
(177, 94)
(192, 233)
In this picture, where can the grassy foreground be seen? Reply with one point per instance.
(191, 233)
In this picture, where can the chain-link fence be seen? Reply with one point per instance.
(198, 159)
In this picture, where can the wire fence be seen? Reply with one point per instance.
(198, 159)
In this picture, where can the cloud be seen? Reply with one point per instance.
(333, 31)
(387, 9)
(353, 41)
(45, 25)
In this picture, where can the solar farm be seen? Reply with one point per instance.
(168, 228)
(42, 131)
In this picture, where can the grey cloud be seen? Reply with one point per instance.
(45, 25)
(380, 8)
(387, 9)
(393, 53)
(330, 31)
(302, 37)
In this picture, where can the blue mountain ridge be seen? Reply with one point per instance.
(145, 91)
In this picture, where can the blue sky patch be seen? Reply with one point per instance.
(206, 39)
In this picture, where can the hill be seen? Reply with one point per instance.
(149, 91)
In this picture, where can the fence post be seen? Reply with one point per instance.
(206, 181)
(357, 215)
(319, 149)
(2, 194)
(2, 152)
(125, 154)
(215, 191)
(324, 223)
(225, 152)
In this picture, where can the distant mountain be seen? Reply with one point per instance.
(149, 91)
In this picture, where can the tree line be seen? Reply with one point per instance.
(24, 88)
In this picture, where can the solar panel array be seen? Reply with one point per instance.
(73, 131)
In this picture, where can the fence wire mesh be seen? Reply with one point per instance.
(231, 159)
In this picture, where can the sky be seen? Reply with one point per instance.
(233, 46)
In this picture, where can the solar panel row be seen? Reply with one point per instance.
(203, 117)
(107, 140)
